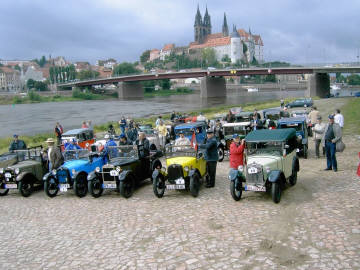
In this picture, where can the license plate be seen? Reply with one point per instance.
(252, 170)
(111, 185)
(64, 187)
(180, 181)
(175, 186)
(10, 186)
(114, 173)
(254, 188)
(8, 175)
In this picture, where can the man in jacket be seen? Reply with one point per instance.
(332, 134)
(256, 123)
(54, 155)
(318, 130)
(313, 115)
(237, 152)
(58, 132)
(211, 156)
(17, 144)
(144, 145)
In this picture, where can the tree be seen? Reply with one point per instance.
(270, 78)
(226, 58)
(17, 67)
(165, 84)
(353, 79)
(87, 74)
(149, 86)
(145, 56)
(209, 57)
(125, 68)
(30, 83)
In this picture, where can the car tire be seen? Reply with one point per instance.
(159, 186)
(276, 192)
(221, 154)
(236, 190)
(194, 185)
(26, 187)
(126, 186)
(305, 153)
(95, 188)
(293, 178)
(3, 191)
(80, 185)
(49, 188)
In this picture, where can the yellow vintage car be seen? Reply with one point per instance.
(185, 170)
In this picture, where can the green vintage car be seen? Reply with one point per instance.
(271, 161)
(25, 171)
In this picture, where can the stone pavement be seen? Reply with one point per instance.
(315, 226)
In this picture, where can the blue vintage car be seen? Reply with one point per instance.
(300, 125)
(73, 173)
(189, 128)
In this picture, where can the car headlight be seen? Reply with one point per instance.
(240, 168)
(17, 170)
(53, 172)
(267, 169)
(186, 168)
(97, 169)
(1, 170)
(73, 171)
(118, 168)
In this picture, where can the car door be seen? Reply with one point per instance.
(288, 159)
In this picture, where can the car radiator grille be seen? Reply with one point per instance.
(12, 178)
(175, 172)
(255, 178)
(62, 175)
(105, 174)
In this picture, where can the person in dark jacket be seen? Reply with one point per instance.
(124, 140)
(55, 157)
(58, 132)
(256, 123)
(122, 124)
(17, 144)
(218, 130)
(211, 156)
(111, 130)
(144, 149)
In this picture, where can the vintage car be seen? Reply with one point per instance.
(185, 169)
(301, 102)
(243, 117)
(271, 116)
(303, 113)
(152, 136)
(229, 129)
(124, 171)
(300, 125)
(270, 161)
(25, 170)
(84, 137)
(73, 173)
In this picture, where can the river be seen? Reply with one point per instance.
(31, 119)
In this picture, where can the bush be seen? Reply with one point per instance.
(87, 96)
(17, 100)
(34, 96)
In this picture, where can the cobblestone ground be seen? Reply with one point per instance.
(315, 226)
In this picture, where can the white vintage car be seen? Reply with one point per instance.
(271, 161)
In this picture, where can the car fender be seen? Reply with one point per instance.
(91, 176)
(76, 174)
(193, 171)
(233, 174)
(47, 176)
(295, 164)
(155, 164)
(124, 174)
(22, 175)
(274, 176)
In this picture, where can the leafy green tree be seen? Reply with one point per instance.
(87, 74)
(125, 68)
(145, 56)
(149, 86)
(17, 67)
(209, 57)
(353, 79)
(30, 83)
(270, 78)
(165, 84)
(40, 86)
(226, 58)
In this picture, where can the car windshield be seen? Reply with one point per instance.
(297, 126)
(122, 153)
(270, 148)
(243, 118)
(30, 153)
(148, 131)
(234, 130)
(76, 154)
(272, 115)
(179, 151)
(187, 131)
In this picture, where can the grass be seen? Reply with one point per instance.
(351, 114)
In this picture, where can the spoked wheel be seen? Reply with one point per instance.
(80, 185)
(95, 188)
(236, 189)
(159, 186)
(276, 192)
(3, 191)
(26, 187)
(194, 185)
(293, 178)
(127, 186)
(51, 188)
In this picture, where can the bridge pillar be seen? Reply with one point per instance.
(212, 87)
(318, 85)
(130, 90)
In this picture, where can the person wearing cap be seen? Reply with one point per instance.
(123, 140)
(218, 130)
(182, 140)
(256, 123)
(122, 124)
(332, 134)
(17, 144)
(72, 145)
(211, 156)
(55, 157)
(236, 152)
(318, 131)
(109, 149)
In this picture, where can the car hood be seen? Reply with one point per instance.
(74, 164)
(264, 160)
(184, 161)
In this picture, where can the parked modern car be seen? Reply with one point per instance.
(24, 171)
(271, 161)
(185, 169)
(124, 171)
(302, 102)
(73, 173)
(300, 125)
(84, 137)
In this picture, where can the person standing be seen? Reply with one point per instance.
(58, 132)
(157, 122)
(256, 122)
(55, 157)
(173, 116)
(84, 125)
(313, 115)
(17, 144)
(318, 129)
(218, 130)
(237, 152)
(332, 134)
(72, 145)
(122, 124)
(211, 157)
(339, 118)
(143, 142)
(162, 131)
(230, 117)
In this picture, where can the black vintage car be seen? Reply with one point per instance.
(124, 170)
(24, 170)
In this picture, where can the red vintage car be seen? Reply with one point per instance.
(84, 137)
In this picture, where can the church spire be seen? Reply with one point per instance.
(225, 28)
(198, 18)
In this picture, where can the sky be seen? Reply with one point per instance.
(299, 32)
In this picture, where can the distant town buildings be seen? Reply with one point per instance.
(9, 79)
(109, 63)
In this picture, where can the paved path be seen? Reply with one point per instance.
(315, 226)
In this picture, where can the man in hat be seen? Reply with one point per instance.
(211, 156)
(182, 140)
(54, 155)
(318, 130)
(109, 149)
(332, 134)
(123, 140)
(17, 144)
(236, 152)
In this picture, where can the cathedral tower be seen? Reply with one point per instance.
(202, 28)
(225, 29)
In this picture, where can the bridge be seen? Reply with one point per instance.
(212, 83)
